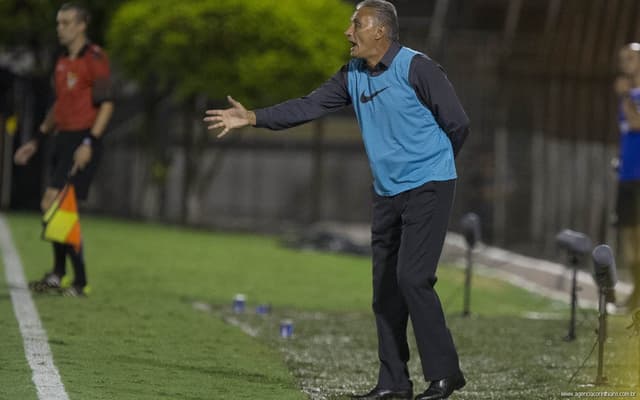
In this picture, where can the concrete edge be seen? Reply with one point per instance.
(536, 275)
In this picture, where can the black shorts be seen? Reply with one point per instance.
(64, 146)
(628, 204)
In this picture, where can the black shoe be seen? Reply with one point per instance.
(443, 388)
(379, 394)
(76, 291)
(49, 282)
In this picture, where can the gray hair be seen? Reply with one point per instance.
(385, 14)
(634, 46)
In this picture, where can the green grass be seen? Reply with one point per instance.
(135, 337)
(139, 337)
(15, 375)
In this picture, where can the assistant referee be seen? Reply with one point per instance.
(78, 119)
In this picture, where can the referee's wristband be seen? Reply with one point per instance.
(89, 139)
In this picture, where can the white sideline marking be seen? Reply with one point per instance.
(244, 327)
(36, 346)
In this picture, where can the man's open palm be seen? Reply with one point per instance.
(235, 117)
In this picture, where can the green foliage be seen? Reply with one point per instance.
(27, 22)
(258, 50)
(32, 23)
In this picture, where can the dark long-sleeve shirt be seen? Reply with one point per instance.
(426, 77)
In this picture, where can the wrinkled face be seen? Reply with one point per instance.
(363, 33)
(629, 60)
(69, 27)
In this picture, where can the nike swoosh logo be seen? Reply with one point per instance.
(365, 99)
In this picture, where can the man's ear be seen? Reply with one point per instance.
(381, 31)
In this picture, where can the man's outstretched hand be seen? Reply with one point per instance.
(234, 117)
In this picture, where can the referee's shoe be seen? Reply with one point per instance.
(50, 281)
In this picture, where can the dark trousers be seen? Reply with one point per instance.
(64, 146)
(60, 253)
(407, 236)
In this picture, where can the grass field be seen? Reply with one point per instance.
(139, 335)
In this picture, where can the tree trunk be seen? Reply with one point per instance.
(188, 158)
(152, 200)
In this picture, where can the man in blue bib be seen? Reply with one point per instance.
(412, 125)
(628, 203)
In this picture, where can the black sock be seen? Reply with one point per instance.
(77, 260)
(59, 259)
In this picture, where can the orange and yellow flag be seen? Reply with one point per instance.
(61, 222)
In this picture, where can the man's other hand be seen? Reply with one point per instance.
(81, 158)
(25, 152)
